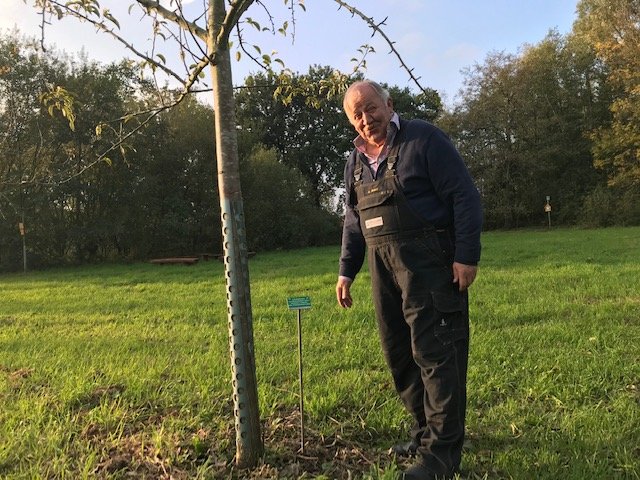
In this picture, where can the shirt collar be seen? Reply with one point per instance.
(359, 142)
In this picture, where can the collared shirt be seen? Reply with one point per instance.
(375, 161)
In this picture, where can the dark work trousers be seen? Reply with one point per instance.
(423, 319)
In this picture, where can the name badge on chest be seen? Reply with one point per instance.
(373, 222)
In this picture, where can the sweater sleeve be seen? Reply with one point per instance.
(353, 243)
(455, 188)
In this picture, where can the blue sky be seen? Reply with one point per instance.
(438, 38)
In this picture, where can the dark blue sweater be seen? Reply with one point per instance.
(437, 185)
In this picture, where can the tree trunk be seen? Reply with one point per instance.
(249, 446)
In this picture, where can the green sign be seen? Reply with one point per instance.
(298, 303)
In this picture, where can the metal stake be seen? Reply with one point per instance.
(301, 383)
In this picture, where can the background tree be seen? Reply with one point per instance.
(426, 104)
(157, 198)
(482, 126)
(290, 218)
(311, 136)
(37, 151)
(521, 126)
(612, 29)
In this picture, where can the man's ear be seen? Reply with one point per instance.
(390, 103)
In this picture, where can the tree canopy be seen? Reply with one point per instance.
(612, 29)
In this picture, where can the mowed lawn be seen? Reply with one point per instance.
(123, 371)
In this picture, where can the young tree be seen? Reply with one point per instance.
(205, 40)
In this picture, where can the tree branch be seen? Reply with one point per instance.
(233, 16)
(102, 26)
(183, 23)
(376, 27)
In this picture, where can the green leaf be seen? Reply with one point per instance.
(253, 23)
(111, 18)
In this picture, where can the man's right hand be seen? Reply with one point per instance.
(343, 292)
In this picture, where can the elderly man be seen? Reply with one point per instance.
(413, 207)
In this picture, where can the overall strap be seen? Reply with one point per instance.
(392, 158)
(357, 171)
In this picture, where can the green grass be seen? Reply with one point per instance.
(123, 371)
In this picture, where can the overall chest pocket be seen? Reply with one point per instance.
(377, 211)
(370, 198)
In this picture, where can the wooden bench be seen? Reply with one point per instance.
(175, 260)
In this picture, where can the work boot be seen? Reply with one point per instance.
(407, 449)
(418, 471)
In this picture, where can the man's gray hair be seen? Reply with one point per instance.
(383, 93)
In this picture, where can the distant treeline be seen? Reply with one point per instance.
(560, 119)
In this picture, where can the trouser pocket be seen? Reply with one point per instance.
(451, 318)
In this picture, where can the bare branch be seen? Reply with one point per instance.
(186, 83)
(196, 32)
(233, 16)
(376, 27)
(241, 43)
(177, 19)
(103, 27)
(42, 24)
(151, 114)
(293, 22)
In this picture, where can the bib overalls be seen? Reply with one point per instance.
(422, 318)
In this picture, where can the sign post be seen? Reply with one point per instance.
(24, 244)
(547, 208)
(299, 304)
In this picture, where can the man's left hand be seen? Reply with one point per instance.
(464, 275)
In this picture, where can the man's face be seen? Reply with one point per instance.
(368, 113)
